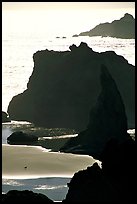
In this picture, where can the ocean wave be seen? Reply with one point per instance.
(48, 187)
(59, 137)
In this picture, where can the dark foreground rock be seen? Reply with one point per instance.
(115, 182)
(64, 86)
(5, 117)
(19, 137)
(107, 120)
(15, 196)
(123, 28)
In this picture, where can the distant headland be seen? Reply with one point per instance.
(122, 28)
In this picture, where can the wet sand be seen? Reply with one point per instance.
(36, 162)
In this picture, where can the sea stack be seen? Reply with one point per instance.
(64, 86)
(107, 121)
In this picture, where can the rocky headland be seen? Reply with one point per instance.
(64, 86)
(122, 28)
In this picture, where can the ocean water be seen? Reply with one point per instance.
(55, 188)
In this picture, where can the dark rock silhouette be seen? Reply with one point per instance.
(63, 37)
(107, 120)
(115, 182)
(15, 196)
(123, 28)
(20, 137)
(5, 117)
(64, 86)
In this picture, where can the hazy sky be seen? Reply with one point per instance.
(60, 17)
(67, 5)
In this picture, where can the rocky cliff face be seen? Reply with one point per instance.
(64, 86)
(123, 28)
(107, 121)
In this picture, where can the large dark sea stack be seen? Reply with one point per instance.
(107, 120)
(114, 182)
(64, 86)
(123, 28)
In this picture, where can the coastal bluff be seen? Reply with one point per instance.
(122, 28)
(64, 86)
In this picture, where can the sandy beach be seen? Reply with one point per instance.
(36, 162)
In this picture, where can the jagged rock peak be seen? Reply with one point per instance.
(110, 106)
(107, 120)
(82, 45)
(127, 17)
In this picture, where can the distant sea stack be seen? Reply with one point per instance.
(64, 86)
(123, 28)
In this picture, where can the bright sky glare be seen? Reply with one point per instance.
(60, 17)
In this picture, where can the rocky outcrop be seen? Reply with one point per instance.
(123, 28)
(20, 137)
(15, 196)
(5, 117)
(107, 120)
(64, 86)
(114, 182)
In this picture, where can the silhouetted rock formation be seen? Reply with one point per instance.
(107, 120)
(5, 117)
(21, 138)
(64, 86)
(123, 28)
(15, 196)
(115, 182)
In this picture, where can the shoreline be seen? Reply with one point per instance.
(22, 161)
